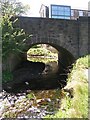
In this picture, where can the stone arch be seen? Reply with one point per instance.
(65, 57)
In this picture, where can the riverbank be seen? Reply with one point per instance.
(75, 101)
(69, 102)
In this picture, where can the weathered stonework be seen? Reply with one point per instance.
(56, 32)
(83, 36)
(69, 37)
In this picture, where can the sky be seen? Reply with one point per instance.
(35, 5)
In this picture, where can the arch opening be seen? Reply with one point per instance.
(65, 58)
(43, 73)
(44, 53)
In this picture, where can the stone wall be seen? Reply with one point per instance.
(13, 61)
(83, 36)
(69, 37)
(57, 32)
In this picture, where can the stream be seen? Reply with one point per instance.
(35, 91)
(37, 76)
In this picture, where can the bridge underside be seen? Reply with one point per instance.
(65, 58)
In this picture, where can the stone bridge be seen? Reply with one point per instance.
(69, 37)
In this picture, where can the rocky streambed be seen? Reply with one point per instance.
(34, 92)
(29, 104)
(35, 75)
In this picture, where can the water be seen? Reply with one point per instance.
(37, 76)
(41, 79)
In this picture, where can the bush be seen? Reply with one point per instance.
(13, 39)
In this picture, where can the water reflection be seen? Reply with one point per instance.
(37, 75)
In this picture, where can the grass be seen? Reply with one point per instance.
(41, 51)
(41, 55)
(75, 101)
(73, 97)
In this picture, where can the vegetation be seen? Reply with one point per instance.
(13, 39)
(70, 102)
(41, 55)
(41, 52)
(74, 96)
(13, 8)
(75, 101)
